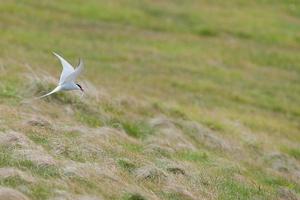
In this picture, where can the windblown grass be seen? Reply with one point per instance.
(201, 96)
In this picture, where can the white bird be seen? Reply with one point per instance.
(67, 77)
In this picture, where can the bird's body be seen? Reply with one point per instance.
(67, 77)
(69, 86)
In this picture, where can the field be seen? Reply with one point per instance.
(185, 100)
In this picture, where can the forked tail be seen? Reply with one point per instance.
(58, 88)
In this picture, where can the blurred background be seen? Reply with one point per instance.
(232, 66)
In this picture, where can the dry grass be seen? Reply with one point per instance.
(185, 100)
(176, 158)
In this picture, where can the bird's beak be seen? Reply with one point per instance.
(82, 90)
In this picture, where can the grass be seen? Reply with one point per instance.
(7, 160)
(133, 147)
(293, 152)
(200, 157)
(40, 192)
(43, 171)
(90, 120)
(12, 182)
(137, 129)
(36, 191)
(38, 138)
(126, 165)
(231, 66)
(133, 197)
(233, 190)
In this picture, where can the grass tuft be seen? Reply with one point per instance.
(134, 196)
(293, 152)
(126, 165)
(208, 32)
(230, 66)
(89, 119)
(137, 129)
(193, 156)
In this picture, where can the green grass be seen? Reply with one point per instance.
(231, 189)
(40, 192)
(43, 171)
(12, 181)
(173, 196)
(138, 129)
(37, 191)
(133, 197)
(39, 138)
(293, 152)
(88, 119)
(200, 157)
(7, 160)
(133, 147)
(126, 165)
(232, 66)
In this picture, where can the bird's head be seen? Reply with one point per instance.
(79, 87)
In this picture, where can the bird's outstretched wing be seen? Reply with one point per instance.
(67, 68)
(58, 88)
(73, 76)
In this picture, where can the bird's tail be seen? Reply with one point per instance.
(58, 88)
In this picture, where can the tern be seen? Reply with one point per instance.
(68, 77)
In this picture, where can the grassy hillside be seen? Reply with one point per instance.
(184, 100)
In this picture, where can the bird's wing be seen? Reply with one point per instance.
(73, 76)
(67, 68)
(58, 88)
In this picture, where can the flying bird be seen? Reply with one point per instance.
(68, 77)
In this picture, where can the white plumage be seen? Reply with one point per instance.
(67, 77)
